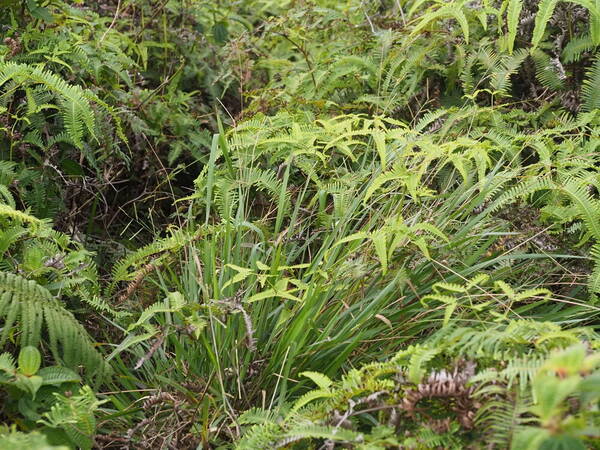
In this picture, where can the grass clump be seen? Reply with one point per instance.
(299, 225)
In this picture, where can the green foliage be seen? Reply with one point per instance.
(570, 374)
(45, 397)
(74, 415)
(383, 404)
(25, 379)
(10, 438)
(73, 104)
(259, 276)
(29, 308)
(590, 94)
(279, 194)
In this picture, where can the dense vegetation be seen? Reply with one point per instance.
(296, 224)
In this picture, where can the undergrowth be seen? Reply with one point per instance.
(299, 224)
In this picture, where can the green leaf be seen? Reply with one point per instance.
(176, 300)
(323, 381)
(220, 33)
(512, 22)
(30, 360)
(530, 438)
(448, 312)
(422, 244)
(542, 17)
(420, 357)
(7, 362)
(550, 393)
(590, 389)
(353, 237)
(29, 384)
(58, 375)
(309, 397)
(567, 362)
(379, 138)
(563, 442)
(73, 168)
(262, 266)
(129, 341)
(31, 441)
(273, 293)
(379, 239)
(242, 274)
(39, 12)
(449, 10)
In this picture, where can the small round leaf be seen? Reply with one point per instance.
(29, 360)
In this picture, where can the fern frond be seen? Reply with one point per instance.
(589, 90)
(513, 13)
(547, 72)
(594, 279)
(75, 108)
(589, 207)
(27, 306)
(500, 80)
(75, 415)
(9, 211)
(576, 47)
(542, 17)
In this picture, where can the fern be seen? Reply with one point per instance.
(452, 10)
(11, 438)
(157, 250)
(29, 308)
(75, 415)
(256, 416)
(75, 108)
(594, 280)
(10, 211)
(589, 90)
(500, 80)
(502, 419)
(588, 207)
(542, 17)
(418, 361)
(576, 47)
(390, 389)
(512, 22)
(547, 72)
(74, 102)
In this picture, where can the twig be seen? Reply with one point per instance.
(304, 53)
(112, 24)
(368, 18)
